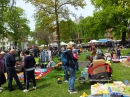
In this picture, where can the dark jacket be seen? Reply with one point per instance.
(29, 62)
(10, 60)
(70, 59)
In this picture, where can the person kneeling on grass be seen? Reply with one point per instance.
(29, 63)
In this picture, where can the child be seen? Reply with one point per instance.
(76, 59)
(118, 52)
(89, 59)
(114, 55)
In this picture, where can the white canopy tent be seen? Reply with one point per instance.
(54, 44)
(71, 42)
(63, 43)
(93, 41)
(43, 45)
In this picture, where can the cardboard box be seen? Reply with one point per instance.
(99, 69)
(98, 62)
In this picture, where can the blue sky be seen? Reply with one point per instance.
(29, 10)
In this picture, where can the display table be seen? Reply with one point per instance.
(115, 89)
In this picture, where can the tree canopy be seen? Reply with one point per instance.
(18, 25)
(56, 10)
(113, 14)
(13, 22)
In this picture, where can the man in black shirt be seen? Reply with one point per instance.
(29, 65)
(10, 63)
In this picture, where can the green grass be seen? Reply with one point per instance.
(48, 87)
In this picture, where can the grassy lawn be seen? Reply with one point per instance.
(48, 87)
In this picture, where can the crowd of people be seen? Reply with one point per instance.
(8, 63)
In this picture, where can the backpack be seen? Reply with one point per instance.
(64, 58)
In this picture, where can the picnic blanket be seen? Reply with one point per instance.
(39, 73)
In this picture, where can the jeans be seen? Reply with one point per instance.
(13, 74)
(72, 78)
(66, 75)
(118, 56)
(76, 65)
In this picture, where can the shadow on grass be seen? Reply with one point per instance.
(84, 86)
(44, 85)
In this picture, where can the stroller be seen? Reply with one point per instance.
(99, 71)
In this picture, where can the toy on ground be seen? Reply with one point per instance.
(116, 60)
(84, 76)
(58, 64)
(59, 81)
(108, 60)
(59, 78)
(84, 95)
(51, 64)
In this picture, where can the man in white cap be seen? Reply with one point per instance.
(10, 63)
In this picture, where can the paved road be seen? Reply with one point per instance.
(82, 64)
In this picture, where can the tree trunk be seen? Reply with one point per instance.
(57, 24)
(58, 34)
(46, 43)
(15, 44)
(123, 42)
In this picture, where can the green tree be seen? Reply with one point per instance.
(113, 14)
(18, 25)
(56, 9)
(4, 4)
(68, 30)
(43, 36)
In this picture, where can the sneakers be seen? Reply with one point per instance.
(72, 91)
(1, 91)
(66, 81)
(28, 90)
(1, 88)
(25, 90)
(34, 88)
